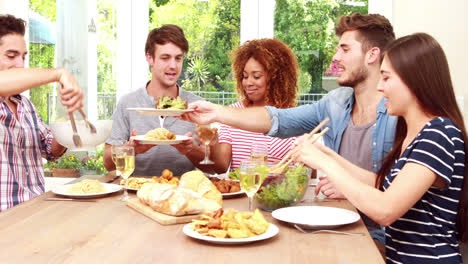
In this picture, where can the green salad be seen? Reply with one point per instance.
(283, 192)
(235, 175)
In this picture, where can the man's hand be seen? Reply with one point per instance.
(70, 92)
(186, 146)
(139, 148)
(328, 189)
(204, 113)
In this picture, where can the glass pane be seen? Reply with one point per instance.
(308, 28)
(212, 29)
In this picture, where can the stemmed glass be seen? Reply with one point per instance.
(259, 152)
(206, 133)
(124, 159)
(250, 179)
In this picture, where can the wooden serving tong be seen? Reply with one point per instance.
(279, 167)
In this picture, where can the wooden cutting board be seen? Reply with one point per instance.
(161, 218)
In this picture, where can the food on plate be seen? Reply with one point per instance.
(231, 224)
(283, 189)
(137, 182)
(235, 174)
(168, 102)
(159, 134)
(197, 181)
(226, 186)
(191, 196)
(87, 186)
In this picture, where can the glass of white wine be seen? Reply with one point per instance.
(124, 158)
(206, 133)
(259, 152)
(250, 179)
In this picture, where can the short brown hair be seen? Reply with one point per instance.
(281, 69)
(374, 30)
(11, 25)
(165, 34)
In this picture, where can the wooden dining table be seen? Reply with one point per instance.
(108, 231)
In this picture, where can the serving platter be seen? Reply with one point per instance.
(62, 190)
(232, 195)
(271, 232)
(316, 217)
(159, 112)
(142, 140)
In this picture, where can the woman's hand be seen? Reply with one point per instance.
(328, 189)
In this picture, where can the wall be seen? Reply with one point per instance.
(448, 23)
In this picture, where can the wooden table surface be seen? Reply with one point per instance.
(108, 231)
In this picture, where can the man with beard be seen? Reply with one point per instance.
(360, 129)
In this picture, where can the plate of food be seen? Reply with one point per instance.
(144, 140)
(316, 217)
(252, 227)
(135, 183)
(86, 189)
(165, 106)
(228, 188)
(159, 112)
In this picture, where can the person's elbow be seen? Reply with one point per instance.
(386, 216)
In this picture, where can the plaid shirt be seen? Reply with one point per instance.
(24, 141)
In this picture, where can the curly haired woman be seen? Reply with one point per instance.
(266, 73)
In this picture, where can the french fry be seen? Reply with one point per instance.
(231, 224)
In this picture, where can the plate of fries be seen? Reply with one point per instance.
(231, 227)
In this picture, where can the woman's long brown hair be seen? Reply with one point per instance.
(422, 65)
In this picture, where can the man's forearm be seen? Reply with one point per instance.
(107, 158)
(254, 119)
(16, 81)
(57, 149)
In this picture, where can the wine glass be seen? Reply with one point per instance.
(206, 133)
(259, 152)
(124, 158)
(250, 179)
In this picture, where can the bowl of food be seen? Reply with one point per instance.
(63, 133)
(283, 189)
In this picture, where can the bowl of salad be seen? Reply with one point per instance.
(283, 189)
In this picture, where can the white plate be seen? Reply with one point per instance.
(314, 217)
(233, 194)
(271, 232)
(159, 112)
(178, 140)
(130, 189)
(62, 190)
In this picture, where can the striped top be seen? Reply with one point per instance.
(426, 233)
(23, 142)
(241, 142)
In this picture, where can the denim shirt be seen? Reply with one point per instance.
(336, 105)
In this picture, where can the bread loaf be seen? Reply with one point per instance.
(168, 199)
(195, 194)
(198, 182)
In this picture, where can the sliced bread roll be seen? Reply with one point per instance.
(198, 182)
(168, 199)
